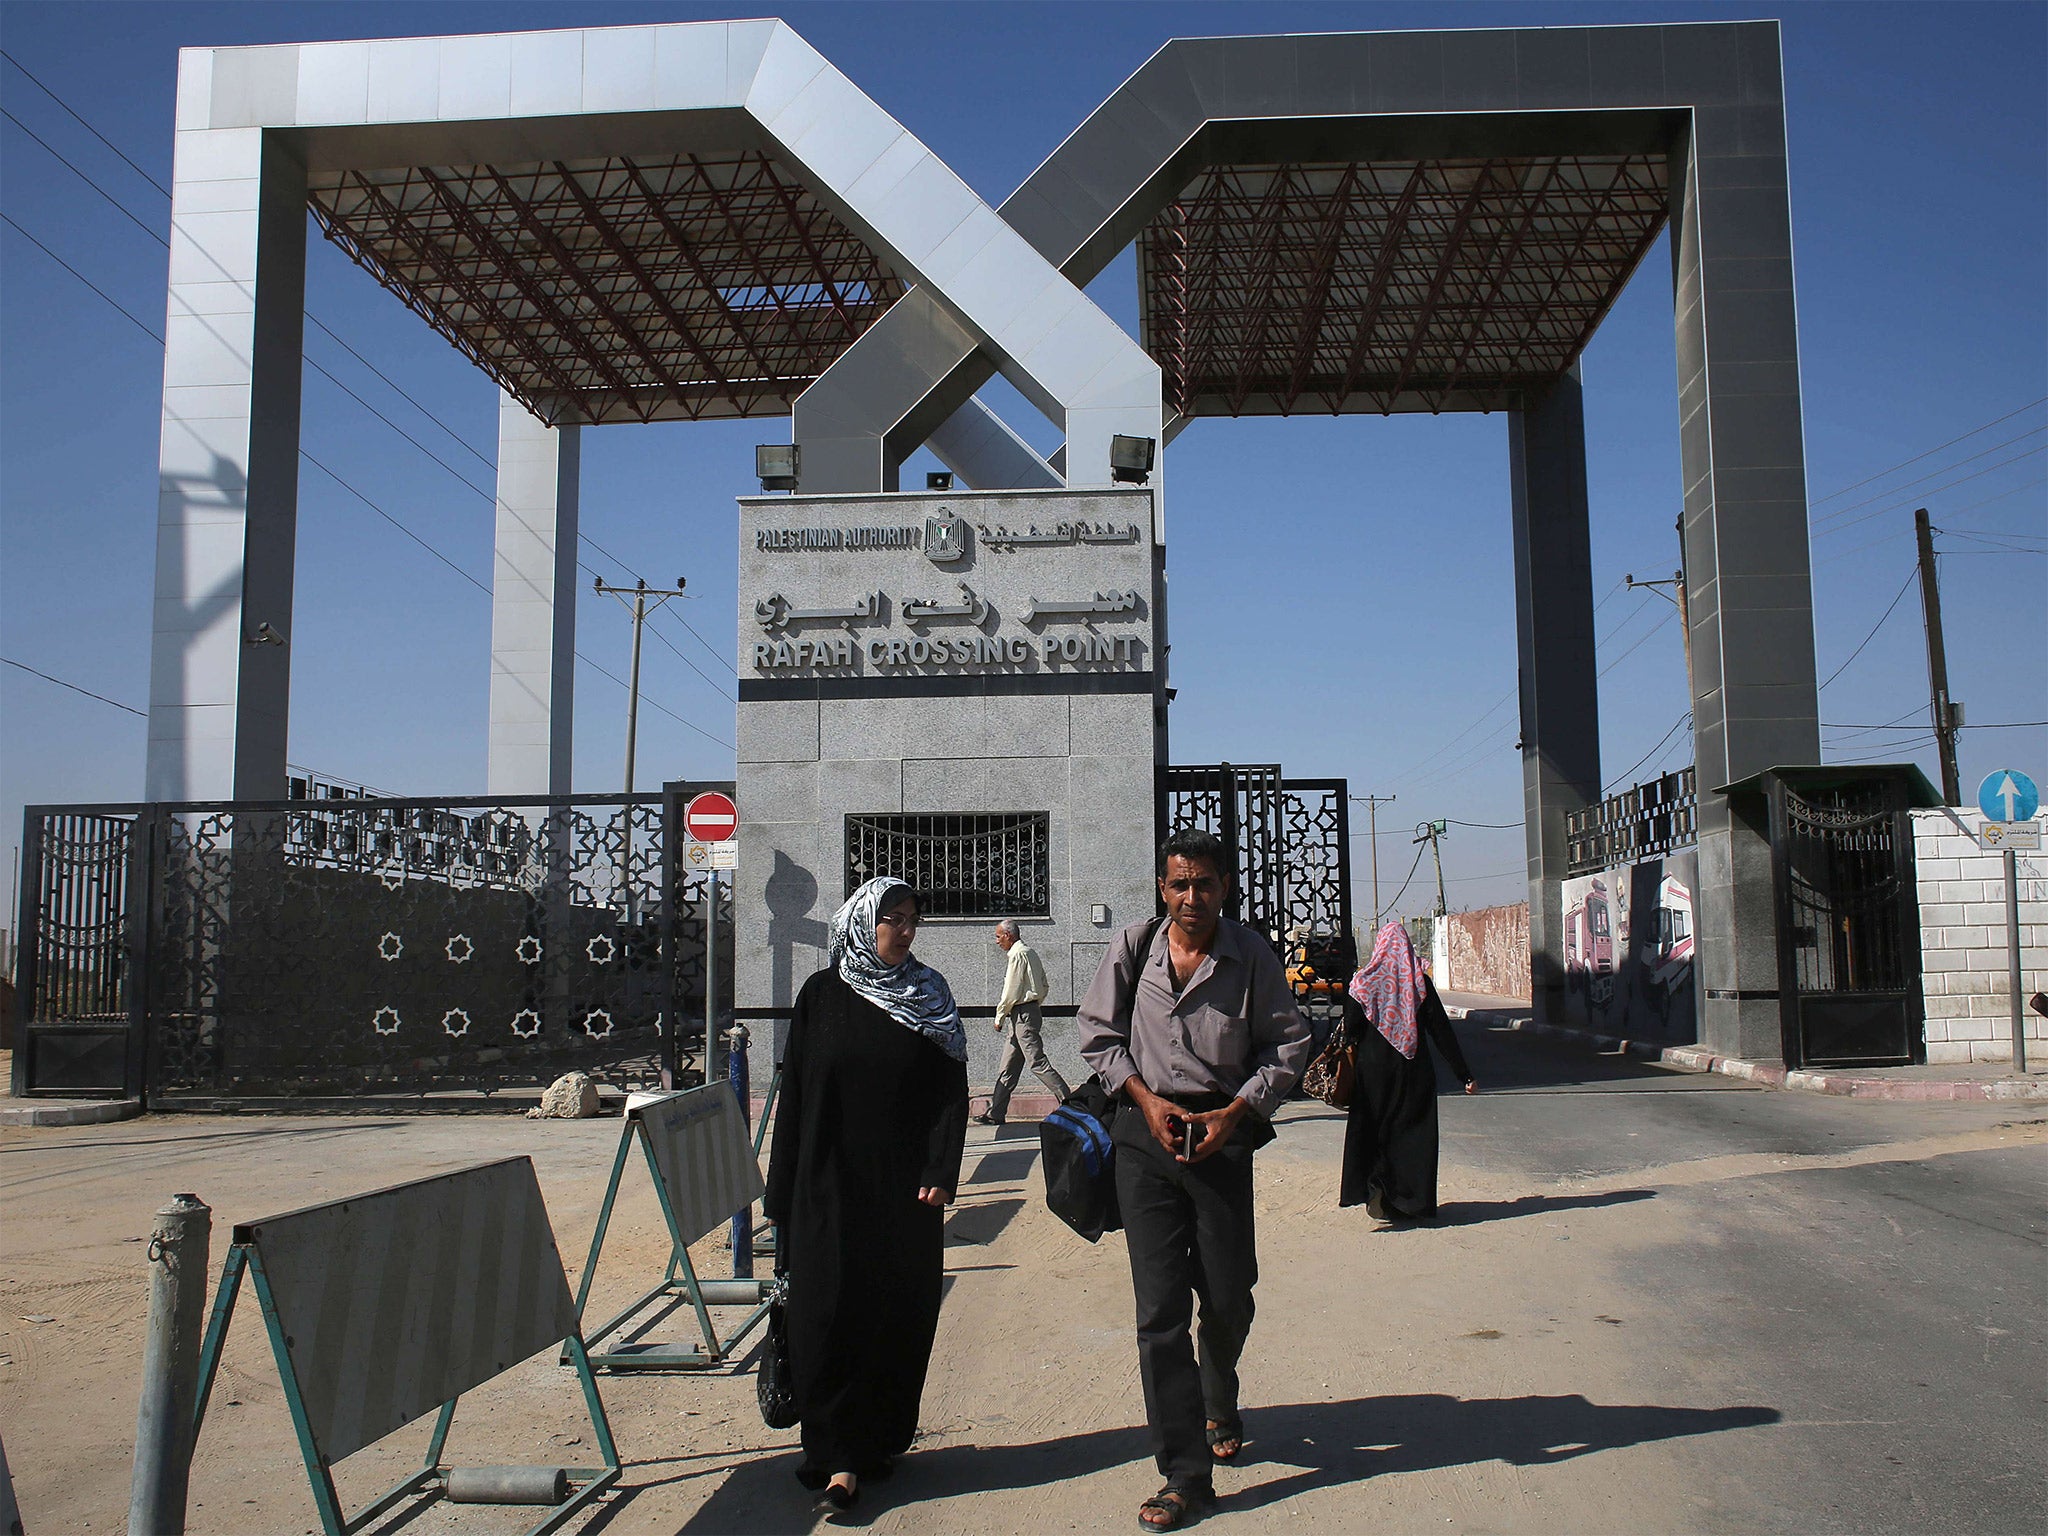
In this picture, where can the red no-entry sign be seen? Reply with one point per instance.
(711, 818)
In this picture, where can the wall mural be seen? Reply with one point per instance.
(1628, 949)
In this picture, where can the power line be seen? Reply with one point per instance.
(359, 495)
(1911, 576)
(61, 683)
(315, 364)
(1922, 497)
(1409, 881)
(1490, 826)
(1666, 737)
(88, 127)
(95, 287)
(1648, 635)
(1930, 475)
(1903, 463)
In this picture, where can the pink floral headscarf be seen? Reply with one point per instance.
(1389, 988)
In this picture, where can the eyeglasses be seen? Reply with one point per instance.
(900, 922)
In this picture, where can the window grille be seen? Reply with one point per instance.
(959, 865)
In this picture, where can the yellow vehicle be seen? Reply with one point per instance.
(1320, 964)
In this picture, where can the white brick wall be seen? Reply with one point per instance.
(1963, 958)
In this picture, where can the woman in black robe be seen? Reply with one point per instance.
(1390, 1141)
(868, 1137)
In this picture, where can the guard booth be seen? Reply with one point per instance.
(1847, 909)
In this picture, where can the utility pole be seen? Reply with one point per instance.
(1676, 582)
(1372, 804)
(1433, 832)
(639, 592)
(1945, 713)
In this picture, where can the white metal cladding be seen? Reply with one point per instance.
(219, 702)
(700, 1144)
(396, 1301)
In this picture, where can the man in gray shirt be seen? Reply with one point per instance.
(1192, 1024)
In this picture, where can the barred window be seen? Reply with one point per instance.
(960, 866)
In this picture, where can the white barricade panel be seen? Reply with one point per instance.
(396, 1301)
(706, 1158)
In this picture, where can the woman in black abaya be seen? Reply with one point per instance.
(868, 1136)
(1390, 1139)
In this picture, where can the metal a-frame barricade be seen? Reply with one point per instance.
(383, 1306)
(705, 1170)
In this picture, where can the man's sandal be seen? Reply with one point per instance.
(1226, 1439)
(1174, 1508)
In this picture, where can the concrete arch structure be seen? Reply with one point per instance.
(1705, 97)
(258, 129)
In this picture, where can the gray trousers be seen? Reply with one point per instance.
(1190, 1235)
(1026, 1044)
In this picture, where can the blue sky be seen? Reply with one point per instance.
(1342, 589)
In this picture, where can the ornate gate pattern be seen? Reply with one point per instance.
(1291, 837)
(1849, 951)
(364, 948)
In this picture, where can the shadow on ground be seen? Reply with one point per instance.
(1470, 1213)
(1323, 1444)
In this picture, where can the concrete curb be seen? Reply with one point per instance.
(67, 1111)
(1694, 1058)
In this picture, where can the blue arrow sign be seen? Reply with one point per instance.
(2008, 795)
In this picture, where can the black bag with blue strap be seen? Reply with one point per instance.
(1080, 1171)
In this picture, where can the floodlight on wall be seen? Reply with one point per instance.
(775, 466)
(1130, 458)
(938, 480)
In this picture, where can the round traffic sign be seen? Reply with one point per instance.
(2008, 795)
(711, 818)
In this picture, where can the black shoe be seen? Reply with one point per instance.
(835, 1500)
(988, 1118)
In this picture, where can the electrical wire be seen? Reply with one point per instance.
(366, 500)
(74, 687)
(1923, 497)
(1937, 448)
(1933, 474)
(1389, 906)
(1624, 776)
(315, 364)
(1911, 576)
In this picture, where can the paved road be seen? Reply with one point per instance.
(1656, 1301)
(1870, 1276)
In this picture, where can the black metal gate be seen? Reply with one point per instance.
(360, 949)
(1292, 843)
(83, 879)
(1848, 918)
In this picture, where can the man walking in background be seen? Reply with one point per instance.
(1024, 989)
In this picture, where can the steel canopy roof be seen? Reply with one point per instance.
(619, 289)
(1426, 284)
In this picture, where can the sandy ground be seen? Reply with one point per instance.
(1504, 1372)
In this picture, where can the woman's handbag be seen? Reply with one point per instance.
(775, 1386)
(1332, 1075)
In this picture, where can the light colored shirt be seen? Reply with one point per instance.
(1233, 1028)
(1024, 982)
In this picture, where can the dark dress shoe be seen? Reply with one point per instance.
(836, 1500)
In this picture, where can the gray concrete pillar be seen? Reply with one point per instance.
(533, 605)
(1749, 579)
(228, 469)
(1554, 648)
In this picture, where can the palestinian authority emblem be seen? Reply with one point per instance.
(945, 538)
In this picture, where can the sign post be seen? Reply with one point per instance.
(2009, 799)
(711, 820)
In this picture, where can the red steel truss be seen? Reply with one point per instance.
(619, 290)
(1417, 285)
